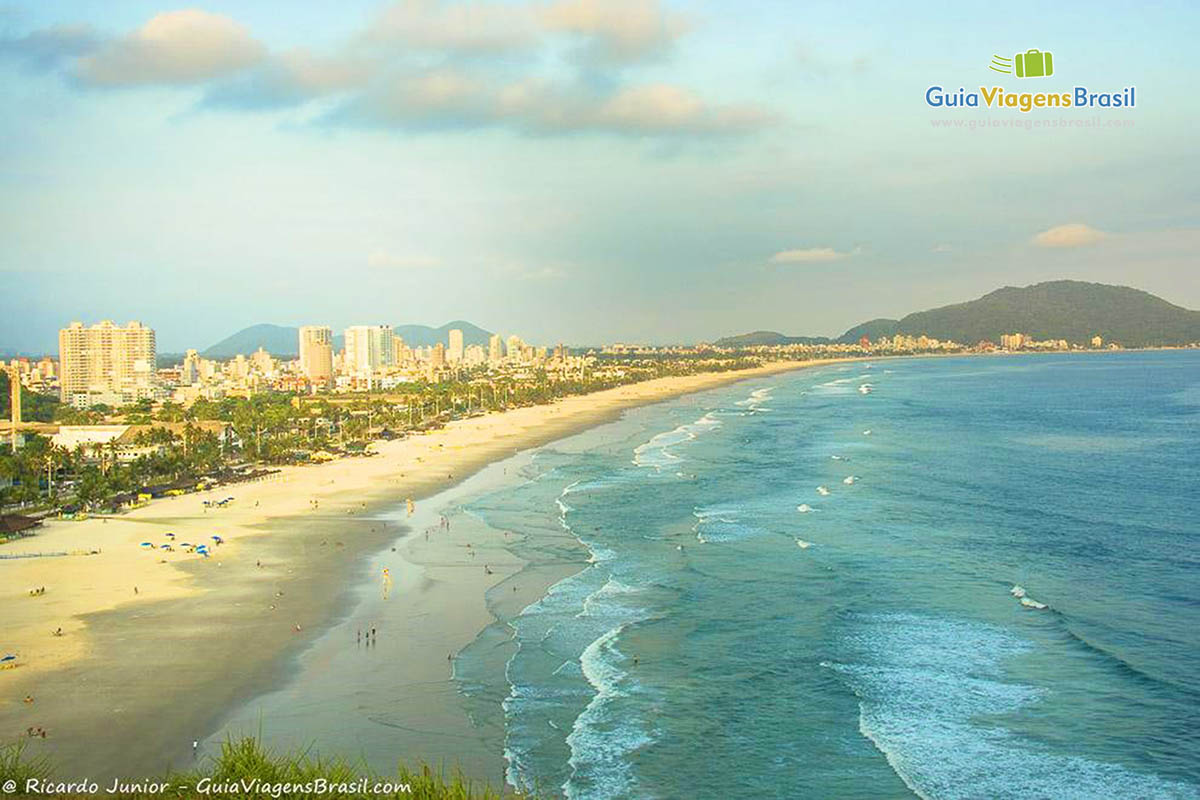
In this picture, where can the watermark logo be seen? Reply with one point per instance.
(1030, 64)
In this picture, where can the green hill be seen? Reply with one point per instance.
(873, 330)
(1071, 310)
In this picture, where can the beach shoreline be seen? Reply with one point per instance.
(140, 673)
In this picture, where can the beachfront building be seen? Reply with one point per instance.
(1013, 341)
(316, 354)
(106, 363)
(454, 353)
(368, 349)
(495, 349)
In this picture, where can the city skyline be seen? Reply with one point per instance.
(496, 164)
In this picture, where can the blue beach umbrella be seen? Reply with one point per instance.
(170, 535)
(147, 544)
(9, 657)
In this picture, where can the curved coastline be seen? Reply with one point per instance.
(198, 639)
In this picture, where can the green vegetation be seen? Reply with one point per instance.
(251, 772)
(182, 445)
(34, 407)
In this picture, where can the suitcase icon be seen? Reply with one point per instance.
(1034, 64)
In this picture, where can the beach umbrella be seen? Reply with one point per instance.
(9, 657)
(170, 535)
(217, 539)
(147, 544)
(185, 544)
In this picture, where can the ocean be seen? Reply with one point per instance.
(937, 578)
(943, 578)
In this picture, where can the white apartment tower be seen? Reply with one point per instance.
(106, 363)
(369, 348)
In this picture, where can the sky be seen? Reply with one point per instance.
(583, 171)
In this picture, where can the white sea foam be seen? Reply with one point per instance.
(924, 686)
(658, 452)
(803, 545)
(721, 524)
(804, 508)
(823, 491)
(602, 739)
(850, 480)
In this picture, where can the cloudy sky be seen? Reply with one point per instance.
(583, 170)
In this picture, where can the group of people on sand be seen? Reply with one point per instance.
(34, 732)
(372, 636)
(37, 592)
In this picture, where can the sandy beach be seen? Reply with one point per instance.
(157, 647)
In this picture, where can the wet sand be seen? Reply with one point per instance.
(137, 677)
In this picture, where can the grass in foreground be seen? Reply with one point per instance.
(245, 770)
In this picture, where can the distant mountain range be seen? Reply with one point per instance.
(1071, 310)
(282, 341)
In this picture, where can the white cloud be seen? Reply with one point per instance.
(942, 248)
(403, 70)
(811, 255)
(617, 30)
(174, 47)
(454, 98)
(656, 108)
(1075, 234)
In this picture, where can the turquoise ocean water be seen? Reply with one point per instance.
(806, 586)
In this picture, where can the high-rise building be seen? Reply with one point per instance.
(495, 349)
(106, 363)
(516, 347)
(368, 348)
(189, 373)
(437, 358)
(316, 353)
(474, 356)
(454, 353)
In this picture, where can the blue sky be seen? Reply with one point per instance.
(578, 170)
